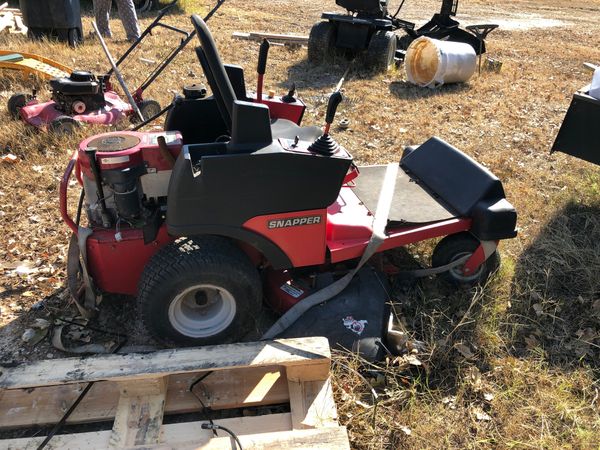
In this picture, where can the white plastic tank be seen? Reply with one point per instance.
(431, 62)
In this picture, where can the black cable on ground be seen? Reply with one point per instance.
(78, 400)
(214, 427)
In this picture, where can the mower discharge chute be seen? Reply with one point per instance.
(253, 199)
(367, 31)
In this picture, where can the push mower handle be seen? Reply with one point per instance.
(262, 57)
(168, 7)
(64, 184)
(334, 101)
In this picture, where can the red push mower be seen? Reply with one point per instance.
(196, 230)
(87, 98)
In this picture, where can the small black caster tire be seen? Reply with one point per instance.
(456, 246)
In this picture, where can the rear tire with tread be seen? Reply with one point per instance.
(381, 51)
(455, 246)
(320, 42)
(184, 265)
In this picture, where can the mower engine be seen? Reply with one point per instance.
(125, 177)
(80, 93)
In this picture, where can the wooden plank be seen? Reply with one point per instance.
(223, 389)
(311, 396)
(173, 434)
(3, 6)
(284, 352)
(139, 413)
(286, 38)
(190, 436)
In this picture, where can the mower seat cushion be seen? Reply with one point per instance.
(464, 185)
(286, 129)
(70, 87)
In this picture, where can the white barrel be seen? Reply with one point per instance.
(431, 63)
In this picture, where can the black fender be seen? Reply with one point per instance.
(276, 256)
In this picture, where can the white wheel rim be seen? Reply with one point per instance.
(202, 311)
(457, 272)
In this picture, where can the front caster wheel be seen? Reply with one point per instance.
(200, 291)
(456, 246)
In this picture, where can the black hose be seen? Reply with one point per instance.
(213, 426)
(398, 10)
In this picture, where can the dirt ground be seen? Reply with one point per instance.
(513, 365)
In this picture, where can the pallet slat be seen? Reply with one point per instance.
(221, 390)
(283, 352)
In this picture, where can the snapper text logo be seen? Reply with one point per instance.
(293, 222)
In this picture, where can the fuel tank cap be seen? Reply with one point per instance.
(114, 143)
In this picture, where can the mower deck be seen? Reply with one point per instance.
(40, 115)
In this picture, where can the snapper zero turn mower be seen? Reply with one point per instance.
(367, 30)
(196, 230)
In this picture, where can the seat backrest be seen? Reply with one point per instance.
(218, 79)
(366, 6)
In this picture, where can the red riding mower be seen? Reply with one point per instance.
(195, 231)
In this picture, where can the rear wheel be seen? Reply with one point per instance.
(63, 125)
(456, 246)
(15, 103)
(199, 292)
(381, 51)
(73, 37)
(148, 108)
(143, 5)
(321, 41)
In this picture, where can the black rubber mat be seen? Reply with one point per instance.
(411, 205)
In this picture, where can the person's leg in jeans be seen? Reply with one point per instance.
(101, 14)
(129, 19)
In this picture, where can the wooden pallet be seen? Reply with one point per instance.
(135, 391)
(11, 20)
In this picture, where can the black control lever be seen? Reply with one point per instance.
(290, 96)
(334, 101)
(261, 68)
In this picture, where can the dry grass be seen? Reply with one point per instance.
(529, 375)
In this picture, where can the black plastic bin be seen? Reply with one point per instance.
(60, 19)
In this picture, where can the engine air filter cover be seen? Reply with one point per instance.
(114, 142)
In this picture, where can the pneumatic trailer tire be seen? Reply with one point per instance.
(456, 246)
(320, 42)
(381, 51)
(199, 291)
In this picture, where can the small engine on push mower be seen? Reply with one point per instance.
(79, 93)
(197, 227)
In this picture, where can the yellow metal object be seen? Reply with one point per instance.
(35, 65)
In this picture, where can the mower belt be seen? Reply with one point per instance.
(380, 220)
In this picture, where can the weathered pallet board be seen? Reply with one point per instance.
(283, 38)
(136, 390)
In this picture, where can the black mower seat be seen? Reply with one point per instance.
(70, 87)
(286, 129)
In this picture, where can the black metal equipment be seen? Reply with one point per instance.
(60, 19)
(578, 135)
(367, 30)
